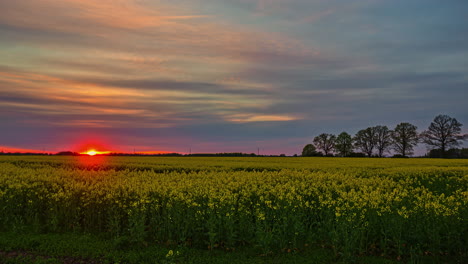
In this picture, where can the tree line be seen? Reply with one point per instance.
(442, 135)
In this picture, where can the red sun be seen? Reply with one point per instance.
(93, 152)
(94, 147)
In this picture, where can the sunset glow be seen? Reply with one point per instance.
(141, 76)
(93, 152)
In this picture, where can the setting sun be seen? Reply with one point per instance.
(93, 152)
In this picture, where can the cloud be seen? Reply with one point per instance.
(117, 103)
(113, 22)
(245, 118)
(86, 16)
(225, 71)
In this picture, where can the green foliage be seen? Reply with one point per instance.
(325, 142)
(400, 208)
(344, 144)
(451, 153)
(49, 248)
(309, 151)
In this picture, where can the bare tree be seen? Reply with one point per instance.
(443, 133)
(325, 142)
(344, 144)
(365, 140)
(404, 138)
(383, 139)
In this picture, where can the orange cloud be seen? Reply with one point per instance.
(245, 118)
(87, 16)
(130, 41)
(164, 27)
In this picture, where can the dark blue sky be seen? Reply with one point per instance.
(225, 75)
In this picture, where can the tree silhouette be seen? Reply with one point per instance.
(383, 139)
(365, 140)
(325, 142)
(404, 139)
(443, 133)
(309, 151)
(344, 144)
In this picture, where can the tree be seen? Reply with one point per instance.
(344, 144)
(464, 153)
(383, 139)
(325, 142)
(309, 151)
(443, 133)
(404, 139)
(365, 140)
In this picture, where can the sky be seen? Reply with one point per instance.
(224, 75)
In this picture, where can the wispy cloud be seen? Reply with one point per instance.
(245, 118)
(217, 71)
(87, 16)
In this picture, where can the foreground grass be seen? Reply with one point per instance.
(73, 248)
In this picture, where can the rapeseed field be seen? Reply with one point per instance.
(353, 206)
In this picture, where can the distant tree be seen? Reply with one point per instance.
(453, 153)
(357, 155)
(383, 139)
(325, 142)
(309, 151)
(434, 153)
(443, 133)
(404, 139)
(365, 140)
(399, 156)
(67, 153)
(344, 144)
(464, 153)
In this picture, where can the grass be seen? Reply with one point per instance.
(71, 248)
(85, 248)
